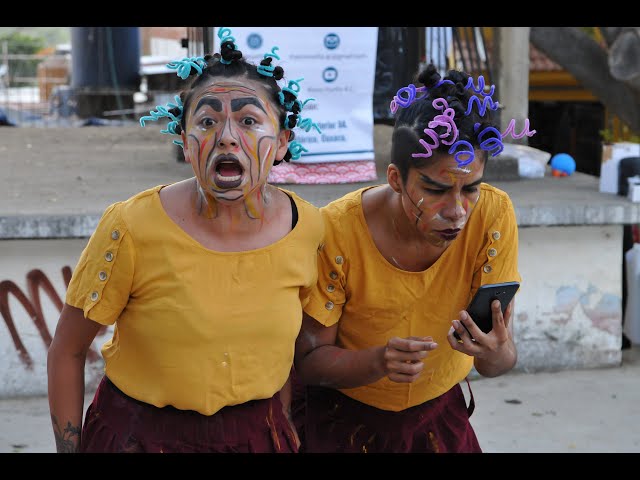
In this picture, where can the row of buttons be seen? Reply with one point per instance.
(102, 275)
(330, 287)
(492, 252)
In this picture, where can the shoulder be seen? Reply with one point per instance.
(300, 202)
(349, 204)
(118, 217)
(308, 214)
(494, 201)
(494, 212)
(138, 206)
(305, 208)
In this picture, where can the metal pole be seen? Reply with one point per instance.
(207, 39)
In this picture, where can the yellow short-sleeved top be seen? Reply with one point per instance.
(374, 301)
(194, 328)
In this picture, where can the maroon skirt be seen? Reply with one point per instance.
(328, 421)
(116, 422)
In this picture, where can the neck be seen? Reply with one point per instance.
(246, 212)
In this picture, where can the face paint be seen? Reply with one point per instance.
(232, 138)
(441, 196)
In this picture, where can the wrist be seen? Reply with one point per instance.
(379, 366)
(499, 362)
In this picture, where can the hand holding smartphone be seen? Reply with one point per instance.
(480, 307)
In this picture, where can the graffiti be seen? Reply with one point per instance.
(603, 310)
(37, 281)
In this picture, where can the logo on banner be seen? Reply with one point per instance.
(254, 40)
(331, 41)
(330, 74)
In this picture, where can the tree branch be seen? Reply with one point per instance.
(588, 62)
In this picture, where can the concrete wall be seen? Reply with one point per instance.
(569, 309)
(32, 290)
(568, 312)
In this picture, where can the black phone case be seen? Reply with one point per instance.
(480, 307)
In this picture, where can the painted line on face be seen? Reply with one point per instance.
(417, 205)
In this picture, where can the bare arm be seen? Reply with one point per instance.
(319, 361)
(494, 352)
(65, 371)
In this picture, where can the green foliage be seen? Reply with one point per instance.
(51, 36)
(21, 44)
(608, 136)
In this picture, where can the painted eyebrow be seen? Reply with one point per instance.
(239, 103)
(214, 103)
(430, 181)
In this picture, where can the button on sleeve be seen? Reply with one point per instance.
(102, 280)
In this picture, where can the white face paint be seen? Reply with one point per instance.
(232, 137)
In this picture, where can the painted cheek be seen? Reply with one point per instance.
(258, 149)
(205, 146)
(249, 145)
(470, 203)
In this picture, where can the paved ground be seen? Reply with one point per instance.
(580, 411)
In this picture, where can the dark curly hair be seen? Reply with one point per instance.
(237, 67)
(411, 122)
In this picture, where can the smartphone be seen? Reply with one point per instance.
(480, 307)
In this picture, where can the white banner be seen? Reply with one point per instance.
(338, 67)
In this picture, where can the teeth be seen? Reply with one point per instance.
(228, 179)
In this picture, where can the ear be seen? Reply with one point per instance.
(394, 178)
(283, 143)
(185, 148)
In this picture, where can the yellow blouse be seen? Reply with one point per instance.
(374, 301)
(194, 328)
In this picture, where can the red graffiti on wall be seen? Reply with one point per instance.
(36, 280)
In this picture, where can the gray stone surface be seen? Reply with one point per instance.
(56, 182)
(501, 168)
(570, 411)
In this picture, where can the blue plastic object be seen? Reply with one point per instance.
(563, 164)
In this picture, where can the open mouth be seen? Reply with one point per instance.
(227, 171)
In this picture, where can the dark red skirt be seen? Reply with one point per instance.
(116, 422)
(328, 421)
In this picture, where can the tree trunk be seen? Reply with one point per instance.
(588, 62)
(624, 57)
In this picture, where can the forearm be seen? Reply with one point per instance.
(498, 362)
(66, 399)
(335, 367)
